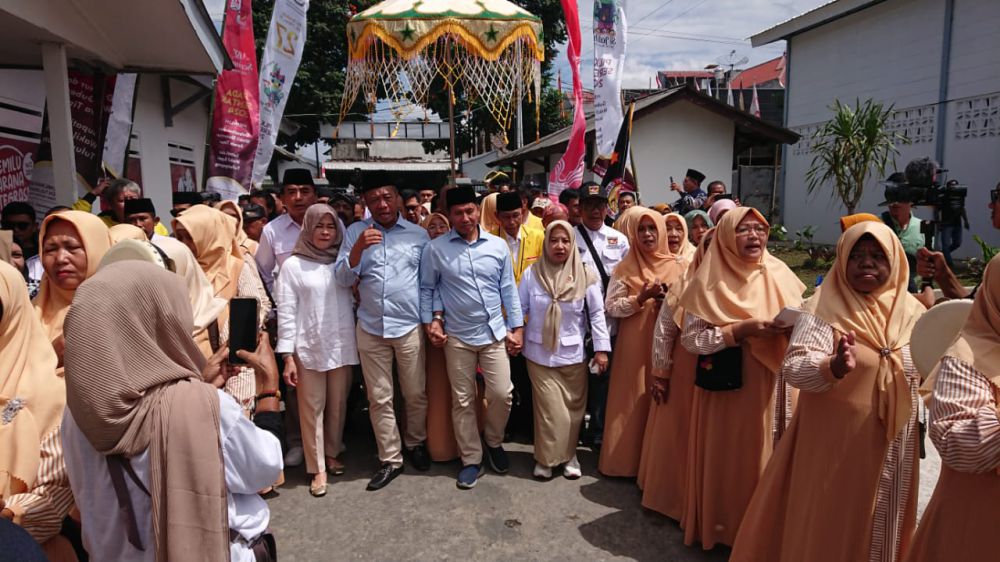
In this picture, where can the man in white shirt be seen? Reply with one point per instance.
(602, 248)
(298, 192)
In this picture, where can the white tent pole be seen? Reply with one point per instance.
(60, 121)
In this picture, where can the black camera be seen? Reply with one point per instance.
(921, 186)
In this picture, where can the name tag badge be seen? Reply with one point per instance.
(613, 241)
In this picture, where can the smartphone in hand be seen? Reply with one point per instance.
(243, 328)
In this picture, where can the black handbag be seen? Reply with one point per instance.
(720, 371)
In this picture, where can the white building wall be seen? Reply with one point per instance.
(891, 52)
(666, 143)
(190, 128)
(679, 136)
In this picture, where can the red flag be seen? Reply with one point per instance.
(236, 114)
(755, 104)
(568, 172)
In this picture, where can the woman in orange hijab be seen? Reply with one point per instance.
(663, 465)
(211, 237)
(963, 516)
(233, 210)
(34, 490)
(72, 245)
(842, 484)
(634, 295)
(729, 304)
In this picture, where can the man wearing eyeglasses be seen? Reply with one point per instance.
(20, 217)
(932, 265)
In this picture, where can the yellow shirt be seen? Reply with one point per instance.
(109, 221)
(530, 248)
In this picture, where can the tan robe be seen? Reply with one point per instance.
(962, 520)
(730, 442)
(441, 444)
(663, 467)
(836, 488)
(631, 377)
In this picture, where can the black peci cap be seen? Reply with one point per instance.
(133, 206)
(695, 175)
(508, 201)
(460, 195)
(297, 176)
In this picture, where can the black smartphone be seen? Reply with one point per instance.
(724, 196)
(243, 328)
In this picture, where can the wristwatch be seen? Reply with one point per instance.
(439, 316)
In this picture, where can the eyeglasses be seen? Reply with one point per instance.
(16, 225)
(994, 195)
(746, 230)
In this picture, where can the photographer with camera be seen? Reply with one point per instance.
(933, 265)
(900, 219)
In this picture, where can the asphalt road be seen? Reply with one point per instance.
(423, 516)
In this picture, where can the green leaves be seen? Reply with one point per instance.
(850, 146)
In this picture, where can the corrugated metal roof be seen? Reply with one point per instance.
(376, 166)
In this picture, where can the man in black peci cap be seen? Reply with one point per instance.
(142, 213)
(298, 192)
(692, 195)
(466, 285)
(183, 200)
(602, 248)
(254, 221)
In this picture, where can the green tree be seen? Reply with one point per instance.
(849, 147)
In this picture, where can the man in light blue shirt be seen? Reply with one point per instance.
(382, 254)
(466, 287)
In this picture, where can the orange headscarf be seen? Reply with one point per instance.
(52, 303)
(488, 213)
(882, 320)
(678, 288)
(642, 266)
(687, 248)
(249, 246)
(27, 373)
(851, 220)
(727, 289)
(124, 231)
(978, 343)
(214, 235)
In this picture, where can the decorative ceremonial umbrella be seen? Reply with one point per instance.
(493, 47)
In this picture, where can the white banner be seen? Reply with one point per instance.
(286, 37)
(119, 124)
(609, 64)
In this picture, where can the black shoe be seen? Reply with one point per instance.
(419, 458)
(385, 474)
(498, 459)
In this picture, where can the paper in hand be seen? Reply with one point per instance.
(787, 317)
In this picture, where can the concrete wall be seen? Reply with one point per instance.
(892, 52)
(190, 128)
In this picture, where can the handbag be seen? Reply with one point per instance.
(720, 371)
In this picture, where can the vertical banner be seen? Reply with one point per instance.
(286, 38)
(609, 64)
(90, 97)
(619, 177)
(235, 113)
(22, 104)
(119, 124)
(568, 172)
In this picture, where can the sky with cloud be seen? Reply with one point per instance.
(686, 34)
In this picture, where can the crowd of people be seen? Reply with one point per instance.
(672, 344)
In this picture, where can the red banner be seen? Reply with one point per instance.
(236, 114)
(568, 172)
(17, 162)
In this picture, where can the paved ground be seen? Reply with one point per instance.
(423, 516)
